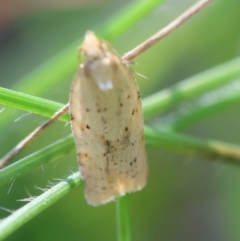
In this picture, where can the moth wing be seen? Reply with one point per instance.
(107, 125)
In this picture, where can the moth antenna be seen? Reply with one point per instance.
(142, 76)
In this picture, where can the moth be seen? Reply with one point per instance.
(107, 124)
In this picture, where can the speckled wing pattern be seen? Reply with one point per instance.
(107, 124)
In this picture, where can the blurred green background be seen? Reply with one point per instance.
(187, 198)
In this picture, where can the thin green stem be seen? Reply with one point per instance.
(192, 87)
(210, 150)
(32, 162)
(133, 13)
(30, 103)
(37, 205)
(198, 113)
(123, 220)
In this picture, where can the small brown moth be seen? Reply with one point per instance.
(107, 124)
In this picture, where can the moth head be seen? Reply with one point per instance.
(92, 48)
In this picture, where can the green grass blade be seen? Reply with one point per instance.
(129, 16)
(32, 162)
(30, 103)
(192, 87)
(123, 220)
(210, 150)
(37, 205)
(198, 113)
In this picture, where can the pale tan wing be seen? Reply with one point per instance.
(107, 125)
